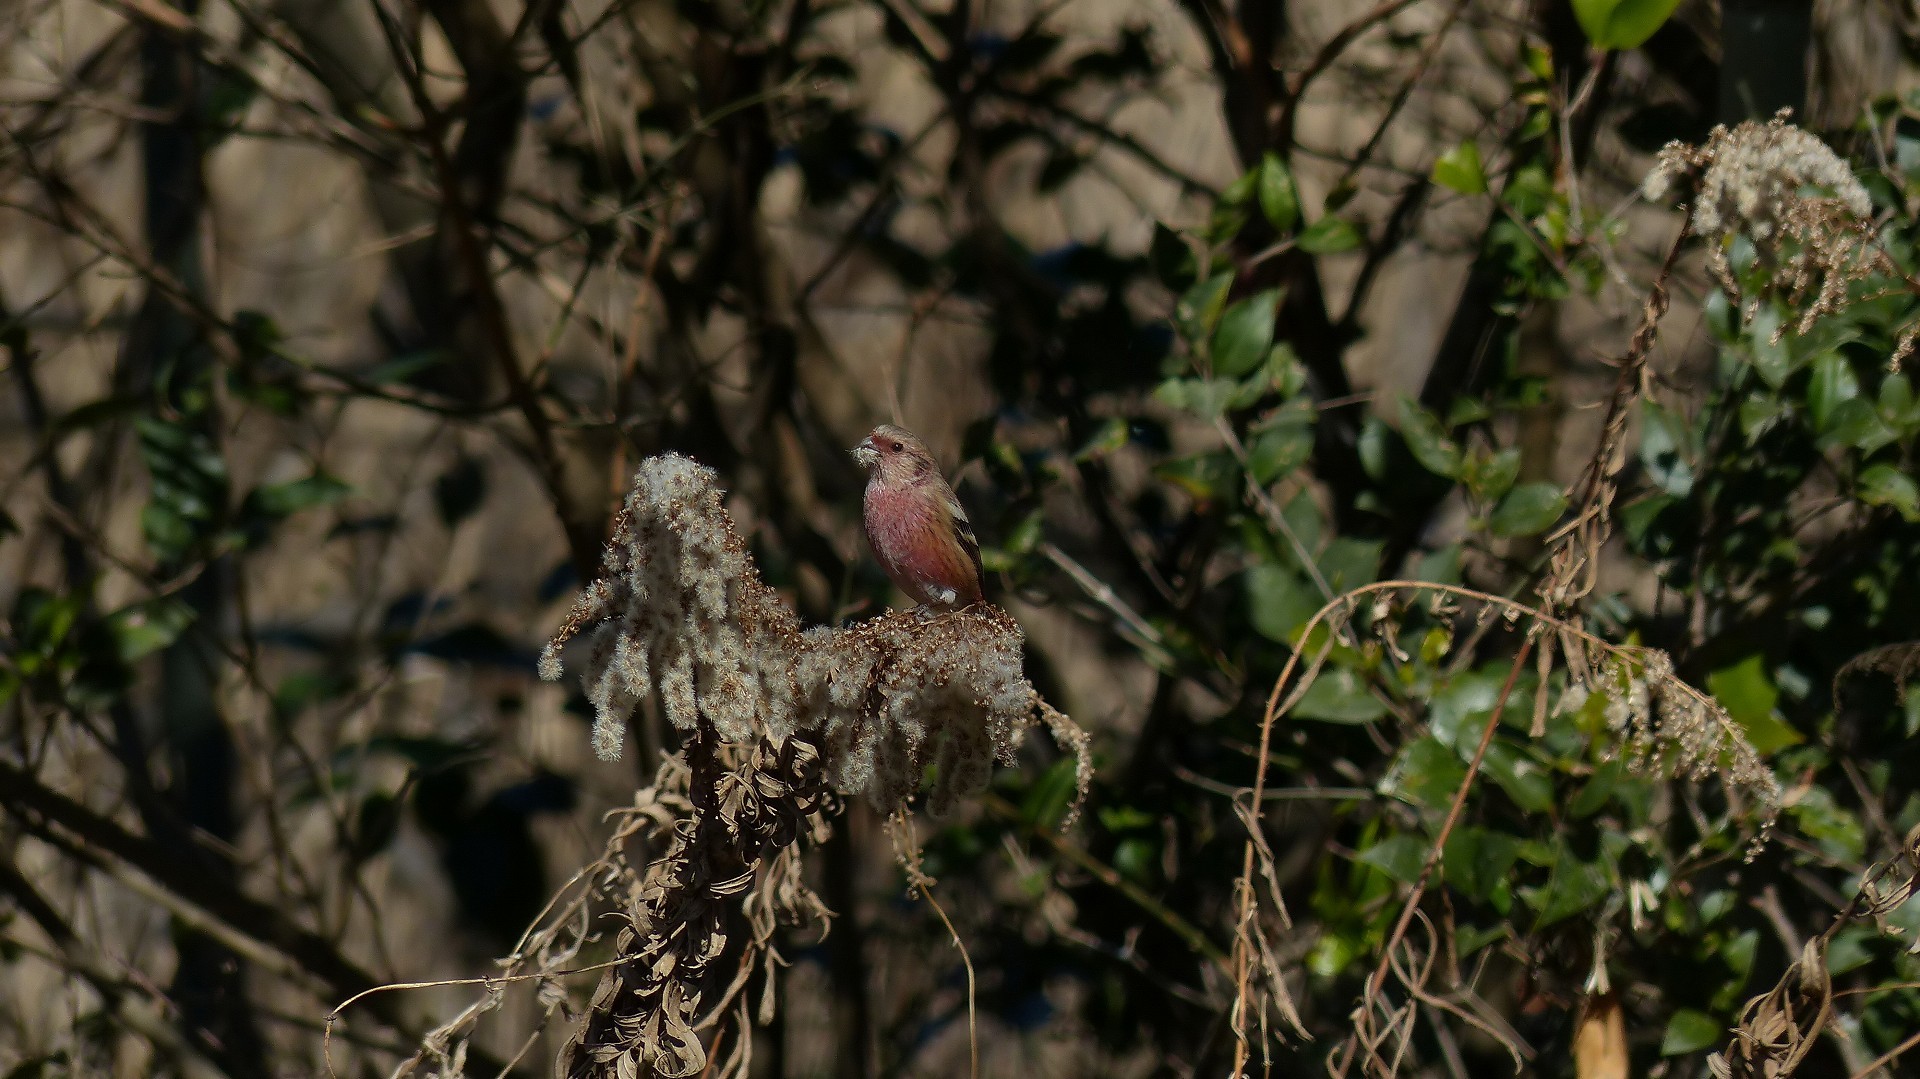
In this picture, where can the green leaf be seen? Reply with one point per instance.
(1689, 1031)
(1490, 475)
(1527, 509)
(1460, 169)
(1349, 563)
(1047, 800)
(1281, 448)
(1398, 856)
(1885, 485)
(1833, 382)
(1457, 711)
(1852, 948)
(1772, 359)
(1278, 199)
(1440, 567)
(1198, 309)
(1523, 778)
(1373, 448)
(1622, 24)
(1573, 886)
(1279, 601)
(1426, 774)
(285, 499)
(1477, 861)
(1204, 397)
(1125, 818)
(1428, 440)
(1339, 695)
(1202, 475)
(1026, 535)
(1136, 858)
(141, 629)
(1666, 449)
(1329, 236)
(1749, 697)
(1855, 422)
(1245, 334)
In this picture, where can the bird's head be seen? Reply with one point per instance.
(893, 454)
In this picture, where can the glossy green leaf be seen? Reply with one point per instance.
(1046, 802)
(1523, 779)
(1203, 475)
(1833, 382)
(1622, 24)
(1329, 236)
(1478, 860)
(1491, 475)
(1245, 334)
(1428, 440)
(1460, 169)
(1528, 509)
(1666, 448)
(1279, 601)
(284, 499)
(1886, 485)
(1747, 694)
(1281, 448)
(1339, 695)
(1690, 1031)
(1198, 310)
(1203, 397)
(1279, 201)
(1572, 886)
(1349, 563)
(144, 628)
(1772, 358)
(1398, 856)
(1426, 774)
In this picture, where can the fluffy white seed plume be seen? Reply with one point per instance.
(1753, 175)
(680, 613)
(1808, 218)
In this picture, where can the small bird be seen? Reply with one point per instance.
(915, 525)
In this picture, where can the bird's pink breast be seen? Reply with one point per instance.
(912, 537)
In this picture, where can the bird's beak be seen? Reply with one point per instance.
(866, 454)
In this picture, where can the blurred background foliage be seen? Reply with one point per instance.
(332, 330)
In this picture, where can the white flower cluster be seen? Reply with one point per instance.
(905, 690)
(1667, 727)
(1754, 174)
(1808, 217)
(680, 612)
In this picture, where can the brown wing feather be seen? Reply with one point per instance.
(963, 531)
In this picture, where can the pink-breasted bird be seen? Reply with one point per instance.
(915, 525)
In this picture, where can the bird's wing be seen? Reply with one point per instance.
(963, 531)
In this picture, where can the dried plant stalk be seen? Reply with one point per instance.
(777, 721)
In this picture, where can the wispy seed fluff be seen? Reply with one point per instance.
(680, 612)
(1808, 217)
(1753, 175)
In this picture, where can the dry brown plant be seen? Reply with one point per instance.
(778, 723)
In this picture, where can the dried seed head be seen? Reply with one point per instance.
(681, 613)
(1809, 219)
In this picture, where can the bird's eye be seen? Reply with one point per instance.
(898, 447)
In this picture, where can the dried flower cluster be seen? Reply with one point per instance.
(1809, 219)
(1664, 725)
(775, 719)
(681, 613)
